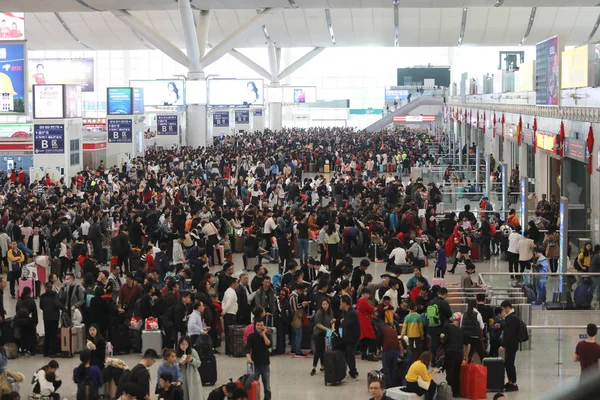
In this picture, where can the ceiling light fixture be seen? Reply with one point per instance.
(70, 32)
(463, 25)
(264, 27)
(86, 5)
(330, 25)
(396, 23)
(293, 3)
(499, 3)
(529, 26)
(596, 25)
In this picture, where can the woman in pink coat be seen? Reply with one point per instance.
(368, 342)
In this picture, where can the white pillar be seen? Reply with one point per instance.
(275, 116)
(197, 132)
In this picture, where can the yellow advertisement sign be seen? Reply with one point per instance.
(527, 77)
(575, 70)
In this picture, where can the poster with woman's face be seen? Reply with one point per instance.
(235, 92)
(161, 92)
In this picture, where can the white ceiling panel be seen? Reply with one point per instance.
(583, 27)
(343, 27)
(450, 27)
(429, 28)
(497, 22)
(545, 19)
(383, 27)
(477, 19)
(516, 26)
(319, 33)
(364, 31)
(297, 27)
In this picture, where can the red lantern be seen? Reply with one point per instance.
(590, 148)
(534, 135)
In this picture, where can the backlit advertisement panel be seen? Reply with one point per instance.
(69, 71)
(235, 92)
(298, 94)
(12, 78)
(48, 101)
(547, 72)
(161, 92)
(12, 26)
(575, 67)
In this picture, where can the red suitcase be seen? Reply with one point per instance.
(475, 252)
(254, 391)
(473, 381)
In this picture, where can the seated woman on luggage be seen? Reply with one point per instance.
(97, 346)
(169, 365)
(419, 369)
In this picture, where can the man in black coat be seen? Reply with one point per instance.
(510, 342)
(358, 273)
(51, 307)
(243, 292)
(351, 334)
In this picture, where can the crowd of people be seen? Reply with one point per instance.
(151, 242)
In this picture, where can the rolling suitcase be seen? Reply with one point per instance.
(269, 322)
(208, 371)
(326, 168)
(495, 374)
(238, 244)
(312, 167)
(23, 283)
(221, 253)
(335, 367)
(254, 391)
(79, 337)
(12, 351)
(151, 340)
(135, 340)
(235, 340)
(203, 347)
(475, 252)
(313, 248)
(8, 334)
(439, 282)
(119, 337)
(67, 342)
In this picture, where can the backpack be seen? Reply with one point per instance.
(522, 334)
(86, 389)
(444, 392)
(433, 316)
(284, 302)
(277, 280)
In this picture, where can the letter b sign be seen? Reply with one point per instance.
(44, 144)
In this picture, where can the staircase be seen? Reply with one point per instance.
(404, 110)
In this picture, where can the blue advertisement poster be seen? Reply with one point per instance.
(221, 119)
(166, 124)
(138, 100)
(49, 138)
(12, 78)
(119, 101)
(242, 116)
(120, 131)
(257, 112)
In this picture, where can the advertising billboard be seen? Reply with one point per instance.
(396, 94)
(73, 102)
(138, 100)
(12, 78)
(49, 138)
(23, 131)
(575, 67)
(547, 72)
(12, 26)
(48, 101)
(161, 92)
(166, 125)
(297, 94)
(235, 92)
(119, 101)
(70, 71)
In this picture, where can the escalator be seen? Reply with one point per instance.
(404, 110)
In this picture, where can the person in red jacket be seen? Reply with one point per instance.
(368, 340)
(21, 175)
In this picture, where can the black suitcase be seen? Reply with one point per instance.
(38, 289)
(335, 367)
(358, 251)
(203, 347)
(495, 375)
(135, 340)
(235, 340)
(120, 339)
(208, 371)
(7, 331)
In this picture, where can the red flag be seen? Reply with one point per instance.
(484, 123)
(534, 135)
(502, 127)
(494, 126)
(590, 149)
(520, 131)
(562, 138)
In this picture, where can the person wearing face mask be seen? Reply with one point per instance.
(72, 294)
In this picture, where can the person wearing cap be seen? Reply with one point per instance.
(541, 265)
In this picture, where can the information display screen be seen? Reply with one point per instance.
(242, 117)
(120, 131)
(221, 119)
(119, 101)
(235, 92)
(166, 124)
(49, 138)
(138, 100)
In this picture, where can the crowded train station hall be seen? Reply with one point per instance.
(299, 199)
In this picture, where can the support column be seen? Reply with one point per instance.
(202, 31)
(189, 34)
(275, 116)
(197, 131)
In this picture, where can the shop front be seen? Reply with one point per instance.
(511, 147)
(576, 183)
(548, 159)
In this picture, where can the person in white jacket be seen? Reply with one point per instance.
(4, 245)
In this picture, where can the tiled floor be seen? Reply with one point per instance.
(538, 370)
